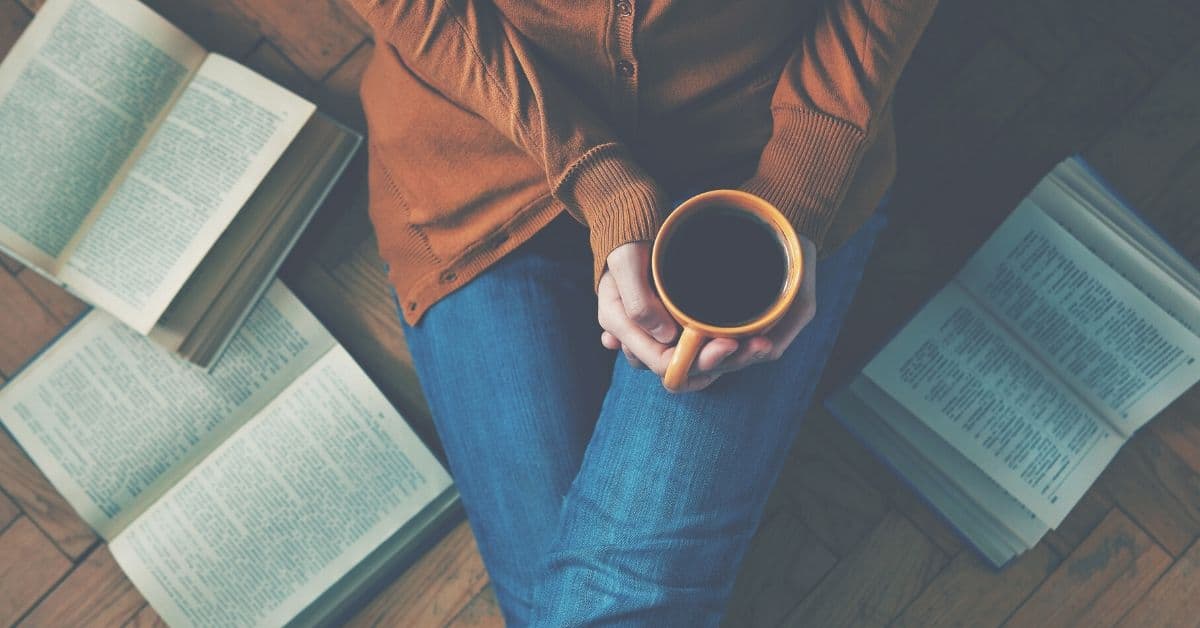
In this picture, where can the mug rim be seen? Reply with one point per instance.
(761, 209)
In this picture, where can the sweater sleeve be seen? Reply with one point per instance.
(471, 53)
(827, 103)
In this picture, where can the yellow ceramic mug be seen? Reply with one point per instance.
(695, 329)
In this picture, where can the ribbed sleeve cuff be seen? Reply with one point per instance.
(806, 166)
(618, 200)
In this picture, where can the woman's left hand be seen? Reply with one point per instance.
(719, 356)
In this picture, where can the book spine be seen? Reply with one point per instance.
(209, 362)
(1133, 211)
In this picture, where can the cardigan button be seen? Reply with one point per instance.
(449, 276)
(624, 8)
(625, 69)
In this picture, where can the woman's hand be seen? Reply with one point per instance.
(633, 317)
(635, 321)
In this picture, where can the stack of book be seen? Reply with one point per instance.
(152, 179)
(1010, 391)
(242, 467)
(278, 487)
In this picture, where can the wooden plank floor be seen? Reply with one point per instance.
(996, 94)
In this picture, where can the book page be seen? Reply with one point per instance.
(1112, 230)
(950, 468)
(980, 390)
(217, 143)
(1120, 351)
(78, 91)
(285, 507)
(113, 420)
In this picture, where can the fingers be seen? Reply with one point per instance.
(710, 358)
(770, 347)
(633, 359)
(642, 350)
(630, 268)
(639, 347)
(612, 343)
(713, 353)
(697, 383)
(750, 351)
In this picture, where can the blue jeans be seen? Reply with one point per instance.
(597, 497)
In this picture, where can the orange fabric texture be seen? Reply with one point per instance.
(488, 119)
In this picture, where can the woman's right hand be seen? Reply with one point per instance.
(636, 322)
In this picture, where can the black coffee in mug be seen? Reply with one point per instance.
(723, 267)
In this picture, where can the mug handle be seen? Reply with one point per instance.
(681, 360)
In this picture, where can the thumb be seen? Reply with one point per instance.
(630, 268)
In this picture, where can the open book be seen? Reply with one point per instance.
(277, 488)
(1009, 392)
(154, 180)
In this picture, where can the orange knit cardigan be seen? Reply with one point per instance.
(488, 119)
